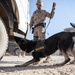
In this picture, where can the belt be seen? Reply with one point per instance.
(40, 24)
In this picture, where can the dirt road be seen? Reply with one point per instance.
(8, 62)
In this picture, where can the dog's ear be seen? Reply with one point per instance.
(72, 24)
(20, 41)
(24, 44)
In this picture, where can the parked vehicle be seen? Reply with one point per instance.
(14, 17)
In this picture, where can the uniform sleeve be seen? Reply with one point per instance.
(50, 15)
(32, 19)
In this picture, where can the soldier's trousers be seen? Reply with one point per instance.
(38, 33)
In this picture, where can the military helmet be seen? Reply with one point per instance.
(39, 2)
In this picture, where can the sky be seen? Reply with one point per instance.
(64, 14)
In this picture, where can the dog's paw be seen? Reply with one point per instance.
(35, 63)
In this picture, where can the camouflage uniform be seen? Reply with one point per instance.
(38, 17)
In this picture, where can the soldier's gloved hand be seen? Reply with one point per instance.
(54, 4)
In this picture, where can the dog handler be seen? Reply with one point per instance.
(37, 21)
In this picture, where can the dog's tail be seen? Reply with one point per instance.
(73, 34)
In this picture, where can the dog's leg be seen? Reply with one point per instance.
(48, 58)
(73, 54)
(26, 64)
(67, 59)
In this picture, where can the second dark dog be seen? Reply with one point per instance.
(62, 41)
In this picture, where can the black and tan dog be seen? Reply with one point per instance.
(62, 41)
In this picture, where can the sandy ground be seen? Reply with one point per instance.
(8, 62)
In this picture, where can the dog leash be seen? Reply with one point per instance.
(48, 25)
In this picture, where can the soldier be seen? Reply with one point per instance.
(37, 21)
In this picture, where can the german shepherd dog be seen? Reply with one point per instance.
(62, 41)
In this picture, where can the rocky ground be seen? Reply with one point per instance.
(8, 62)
